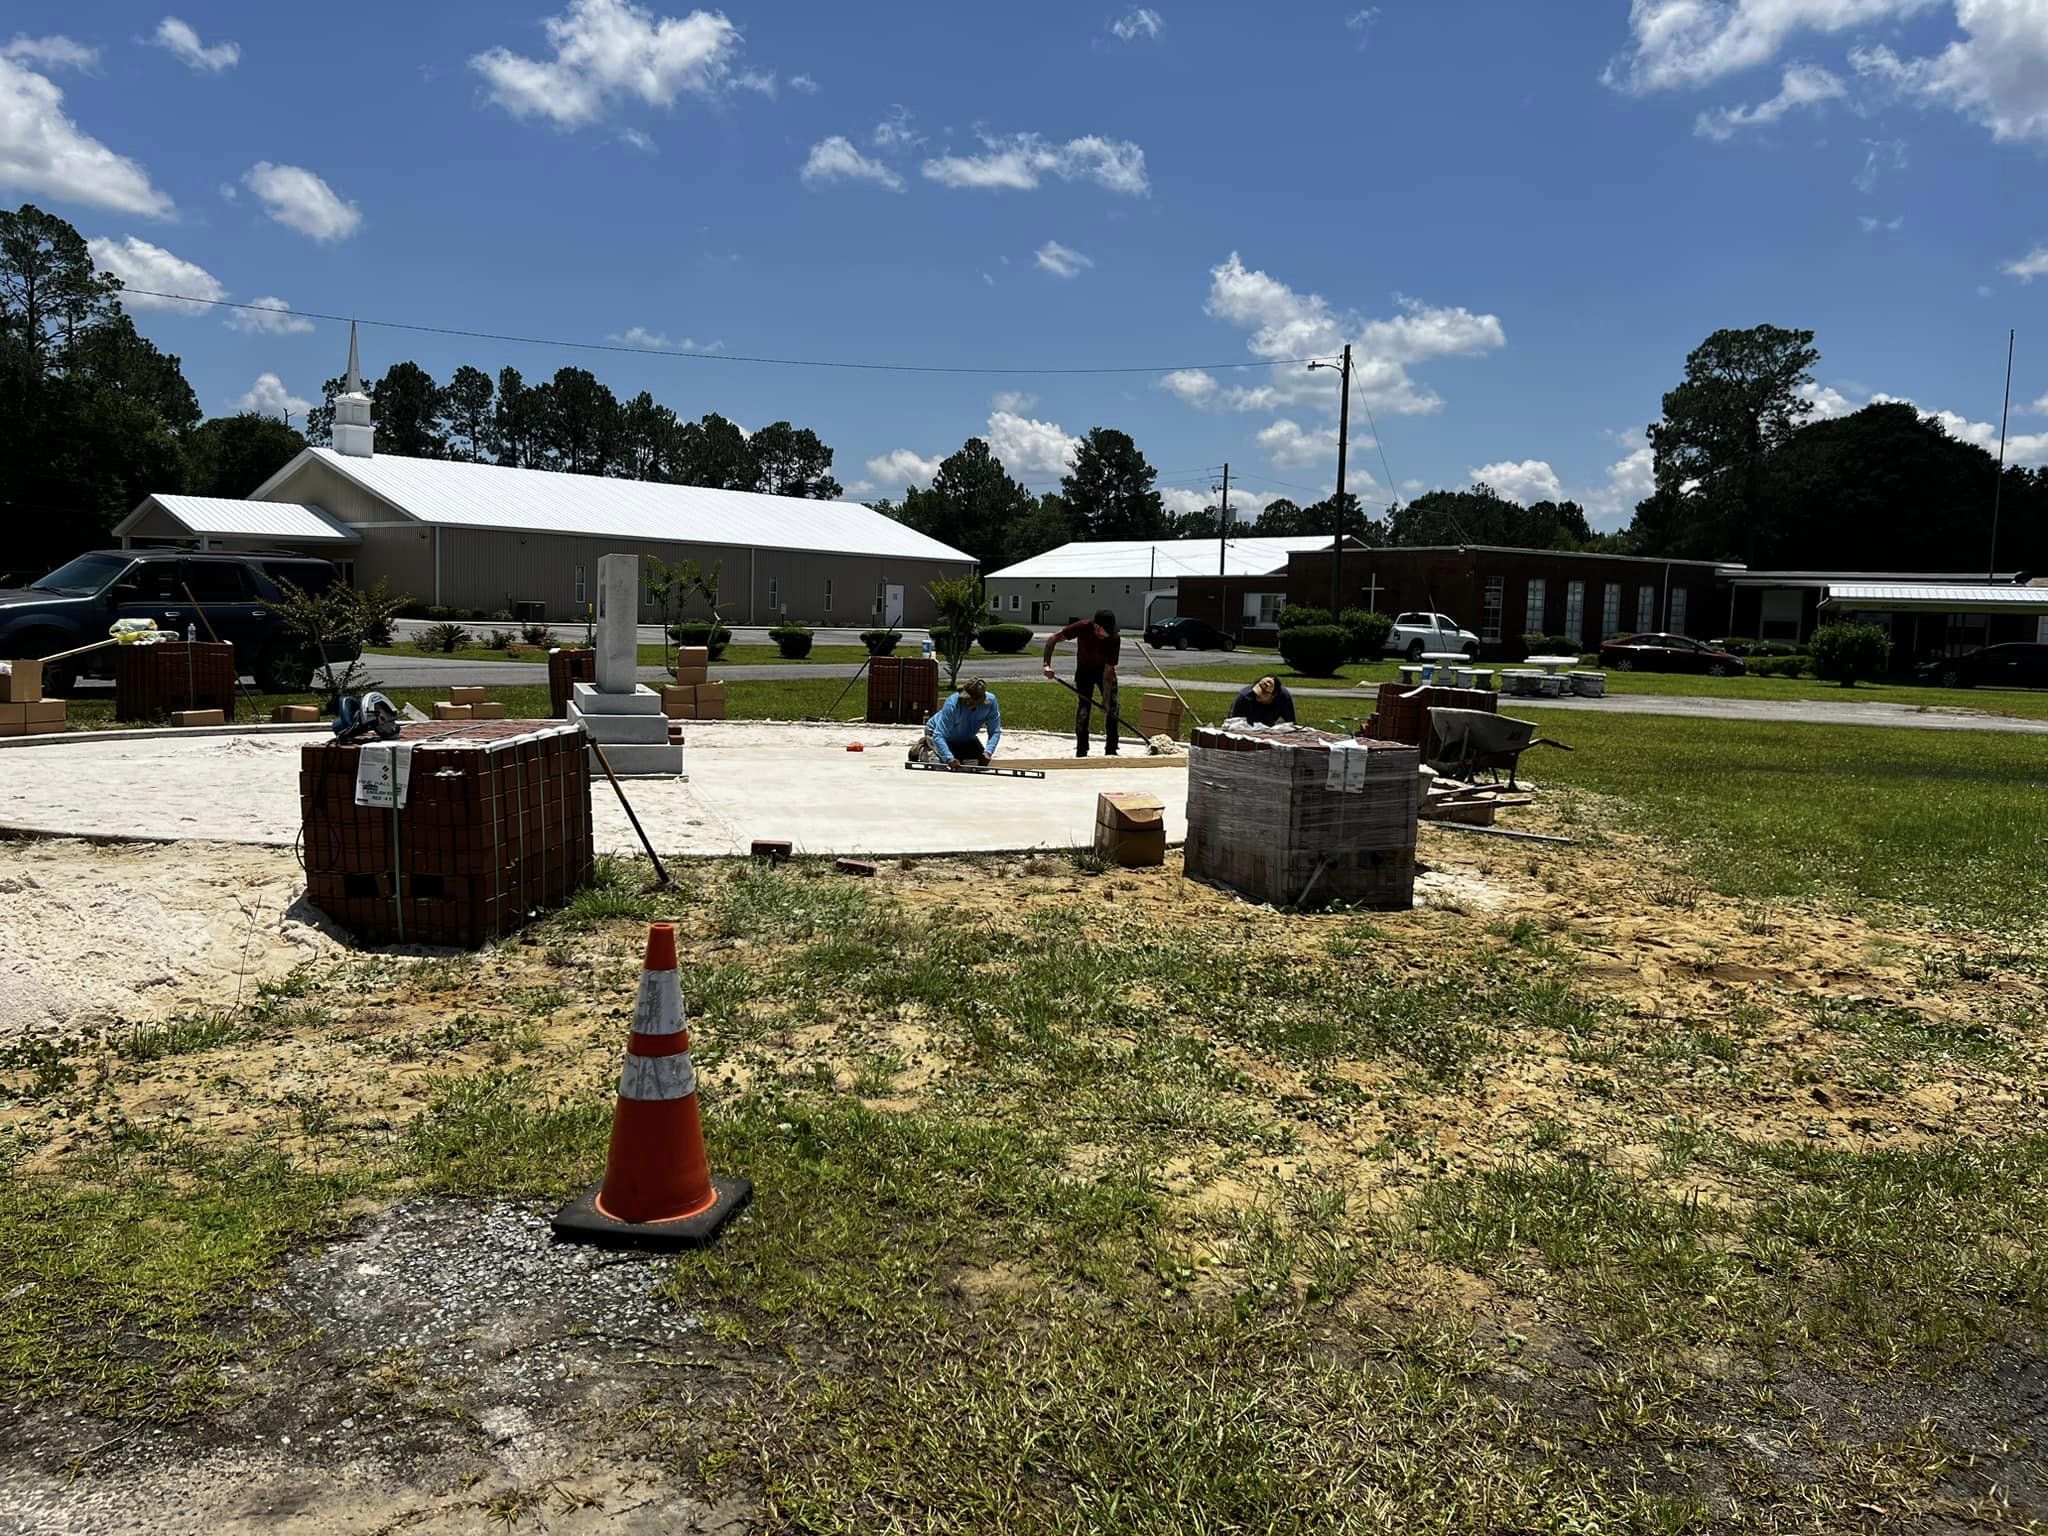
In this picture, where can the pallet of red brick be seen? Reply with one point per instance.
(1402, 713)
(153, 682)
(496, 825)
(902, 690)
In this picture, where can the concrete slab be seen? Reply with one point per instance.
(748, 779)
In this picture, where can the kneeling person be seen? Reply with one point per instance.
(953, 735)
(1266, 702)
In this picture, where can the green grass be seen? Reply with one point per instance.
(759, 653)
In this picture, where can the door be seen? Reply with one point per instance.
(226, 594)
(150, 591)
(892, 606)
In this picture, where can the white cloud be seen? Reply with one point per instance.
(1871, 226)
(1244, 505)
(633, 138)
(1827, 402)
(1803, 85)
(1192, 385)
(300, 200)
(1629, 479)
(53, 52)
(271, 316)
(895, 130)
(859, 489)
(147, 269)
(1290, 446)
(183, 44)
(1143, 22)
(902, 467)
(1879, 156)
(2020, 447)
(2030, 266)
(269, 396)
(988, 279)
(2038, 408)
(803, 85)
(1016, 402)
(608, 50)
(1526, 482)
(44, 153)
(1683, 44)
(1063, 261)
(1019, 161)
(1361, 22)
(656, 341)
(1030, 448)
(835, 159)
(759, 81)
(1996, 74)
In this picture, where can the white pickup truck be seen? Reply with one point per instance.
(1416, 634)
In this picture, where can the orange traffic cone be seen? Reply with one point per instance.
(657, 1190)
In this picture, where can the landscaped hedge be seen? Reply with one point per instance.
(1780, 666)
(881, 642)
(1549, 645)
(1842, 653)
(1004, 639)
(702, 632)
(1316, 650)
(1292, 617)
(793, 640)
(1368, 631)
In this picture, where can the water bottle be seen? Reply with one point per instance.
(191, 633)
(927, 647)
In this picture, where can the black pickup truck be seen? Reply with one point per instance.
(78, 602)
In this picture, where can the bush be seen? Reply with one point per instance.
(1549, 645)
(1315, 650)
(537, 634)
(501, 640)
(437, 613)
(1368, 631)
(1004, 639)
(502, 616)
(1780, 666)
(1842, 653)
(1292, 617)
(445, 638)
(881, 642)
(713, 637)
(793, 640)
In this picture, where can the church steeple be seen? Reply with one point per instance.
(353, 433)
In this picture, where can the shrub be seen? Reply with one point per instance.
(537, 634)
(502, 616)
(437, 613)
(1315, 650)
(443, 637)
(793, 640)
(1742, 645)
(1004, 639)
(501, 640)
(713, 637)
(1781, 666)
(1842, 653)
(1549, 645)
(881, 642)
(1368, 631)
(1292, 617)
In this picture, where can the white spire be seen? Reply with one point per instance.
(353, 434)
(353, 384)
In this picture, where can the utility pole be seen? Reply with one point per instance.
(1223, 534)
(1998, 491)
(1337, 515)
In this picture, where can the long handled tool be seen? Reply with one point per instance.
(247, 697)
(834, 709)
(1007, 773)
(1150, 745)
(1153, 662)
(660, 874)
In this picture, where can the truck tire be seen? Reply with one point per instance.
(1415, 650)
(284, 669)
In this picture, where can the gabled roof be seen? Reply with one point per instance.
(453, 493)
(222, 518)
(1142, 559)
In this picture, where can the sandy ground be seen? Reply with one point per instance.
(745, 780)
(94, 936)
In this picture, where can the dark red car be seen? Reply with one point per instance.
(1667, 653)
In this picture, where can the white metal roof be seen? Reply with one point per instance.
(1936, 595)
(221, 517)
(1132, 559)
(457, 494)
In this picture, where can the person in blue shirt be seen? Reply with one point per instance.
(953, 735)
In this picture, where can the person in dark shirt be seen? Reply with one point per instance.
(1097, 648)
(1264, 703)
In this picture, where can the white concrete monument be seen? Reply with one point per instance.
(616, 712)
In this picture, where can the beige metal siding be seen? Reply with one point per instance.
(336, 495)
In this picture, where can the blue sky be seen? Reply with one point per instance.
(1523, 214)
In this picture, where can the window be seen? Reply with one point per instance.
(774, 596)
(1610, 609)
(579, 586)
(1016, 602)
(1676, 617)
(1270, 604)
(218, 581)
(2041, 629)
(828, 594)
(1575, 612)
(1489, 628)
(1646, 606)
(1127, 589)
(1779, 614)
(881, 596)
(1532, 614)
(995, 602)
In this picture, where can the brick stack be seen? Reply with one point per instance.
(567, 666)
(495, 825)
(173, 677)
(1301, 817)
(23, 709)
(1402, 713)
(902, 690)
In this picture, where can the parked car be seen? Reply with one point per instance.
(1668, 653)
(1416, 634)
(1181, 633)
(78, 602)
(2019, 665)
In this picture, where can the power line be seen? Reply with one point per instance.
(705, 357)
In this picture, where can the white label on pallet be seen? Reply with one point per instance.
(382, 776)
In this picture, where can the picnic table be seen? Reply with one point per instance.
(1552, 664)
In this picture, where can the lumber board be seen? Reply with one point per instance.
(1121, 760)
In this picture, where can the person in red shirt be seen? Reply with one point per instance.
(1097, 647)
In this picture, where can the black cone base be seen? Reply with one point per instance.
(580, 1221)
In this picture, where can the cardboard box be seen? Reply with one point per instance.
(465, 695)
(446, 710)
(31, 727)
(199, 717)
(39, 713)
(693, 658)
(295, 714)
(1130, 828)
(22, 684)
(690, 677)
(1160, 714)
(679, 701)
(487, 710)
(711, 701)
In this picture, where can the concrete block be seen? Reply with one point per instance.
(618, 622)
(594, 700)
(620, 728)
(631, 761)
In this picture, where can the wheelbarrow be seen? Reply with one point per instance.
(1470, 742)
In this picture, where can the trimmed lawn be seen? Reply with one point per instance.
(759, 654)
